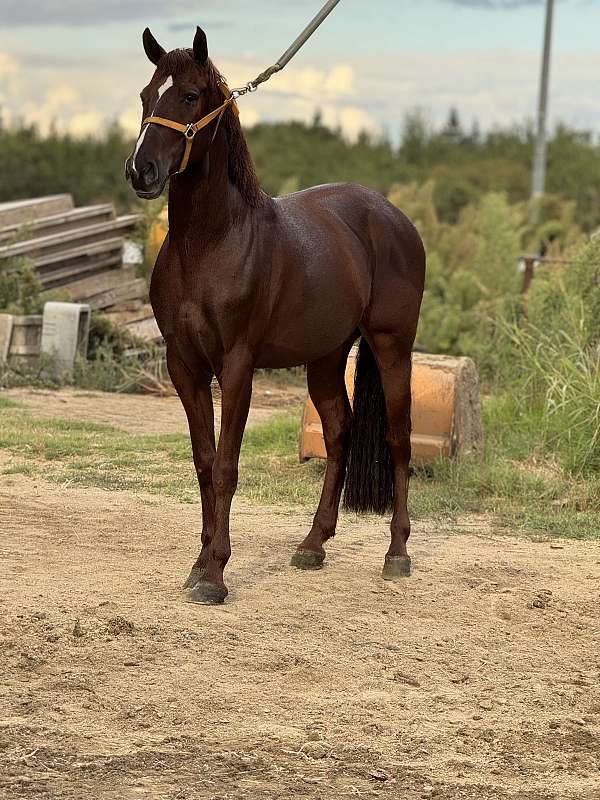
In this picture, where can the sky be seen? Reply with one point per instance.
(78, 64)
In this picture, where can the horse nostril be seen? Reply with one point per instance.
(150, 173)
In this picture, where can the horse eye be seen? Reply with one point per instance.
(191, 98)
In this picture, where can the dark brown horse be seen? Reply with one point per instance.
(245, 281)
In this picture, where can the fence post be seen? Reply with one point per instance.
(528, 273)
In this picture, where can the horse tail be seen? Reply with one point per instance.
(369, 484)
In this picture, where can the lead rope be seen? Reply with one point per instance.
(281, 62)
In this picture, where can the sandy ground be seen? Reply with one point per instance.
(146, 413)
(475, 678)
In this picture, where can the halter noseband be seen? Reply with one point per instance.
(191, 129)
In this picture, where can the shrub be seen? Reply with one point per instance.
(560, 380)
(471, 279)
(20, 287)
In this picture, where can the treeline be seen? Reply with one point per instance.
(463, 165)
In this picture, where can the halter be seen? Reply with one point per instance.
(191, 129)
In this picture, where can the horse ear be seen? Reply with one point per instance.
(200, 47)
(152, 48)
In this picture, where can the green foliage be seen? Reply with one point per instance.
(106, 337)
(118, 362)
(472, 273)
(20, 287)
(553, 360)
(90, 168)
(545, 351)
(562, 383)
(292, 155)
(582, 282)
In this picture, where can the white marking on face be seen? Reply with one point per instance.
(161, 90)
(166, 85)
(137, 147)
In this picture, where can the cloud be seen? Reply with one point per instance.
(9, 66)
(495, 5)
(87, 12)
(310, 82)
(86, 124)
(351, 119)
(9, 81)
(189, 27)
(302, 91)
(496, 87)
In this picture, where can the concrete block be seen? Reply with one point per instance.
(65, 332)
(6, 330)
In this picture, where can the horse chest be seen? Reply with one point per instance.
(210, 315)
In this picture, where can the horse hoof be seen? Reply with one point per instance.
(194, 577)
(207, 594)
(395, 568)
(307, 559)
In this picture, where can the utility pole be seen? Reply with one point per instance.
(538, 184)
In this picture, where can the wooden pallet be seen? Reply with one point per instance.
(21, 212)
(65, 240)
(78, 251)
(115, 287)
(58, 223)
(139, 322)
(60, 269)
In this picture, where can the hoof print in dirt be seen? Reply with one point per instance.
(307, 559)
(116, 626)
(207, 594)
(396, 568)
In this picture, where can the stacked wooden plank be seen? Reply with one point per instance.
(20, 212)
(78, 251)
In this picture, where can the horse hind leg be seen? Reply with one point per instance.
(394, 360)
(327, 389)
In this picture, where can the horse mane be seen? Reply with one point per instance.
(242, 172)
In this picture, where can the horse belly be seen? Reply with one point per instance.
(311, 323)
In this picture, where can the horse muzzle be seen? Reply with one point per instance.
(145, 178)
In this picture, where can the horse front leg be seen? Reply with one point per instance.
(193, 388)
(236, 388)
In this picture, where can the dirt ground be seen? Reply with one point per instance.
(146, 413)
(478, 677)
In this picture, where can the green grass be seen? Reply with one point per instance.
(518, 485)
(6, 403)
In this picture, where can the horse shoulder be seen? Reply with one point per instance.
(165, 288)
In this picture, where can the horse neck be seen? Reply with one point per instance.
(203, 202)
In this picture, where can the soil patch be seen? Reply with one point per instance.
(476, 678)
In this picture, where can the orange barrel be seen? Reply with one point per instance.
(157, 234)
(446, 410)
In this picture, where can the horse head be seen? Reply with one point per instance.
(184, 89)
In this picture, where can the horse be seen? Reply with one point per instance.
(245, 281)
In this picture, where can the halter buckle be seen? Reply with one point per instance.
(190, 131)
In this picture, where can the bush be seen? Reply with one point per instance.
(472, 275)
(551, 360)
(560, 384)
(20, 287)
(119, 362)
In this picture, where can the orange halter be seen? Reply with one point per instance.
(191, 129)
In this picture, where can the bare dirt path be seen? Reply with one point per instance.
(476, 678)
(146, 413)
